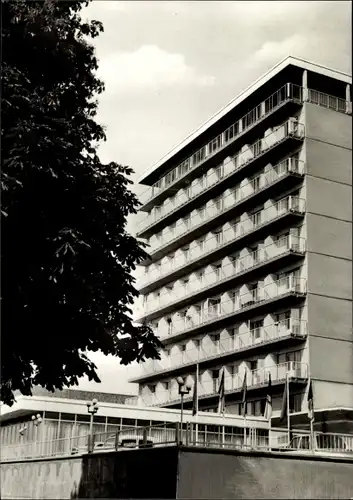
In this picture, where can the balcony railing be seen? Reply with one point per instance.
(327, 101)
(289, 92)
(189, 224)
(207, 280)
(253, 338)
(233, 383)
(259, 183)
(223, 172)
(215, 308)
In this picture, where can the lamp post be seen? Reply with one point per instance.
(183, 390)
(37, 420)
(92, 408)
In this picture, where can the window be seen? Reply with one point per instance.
(201, 243)
(216, 337)
(185, 283)
(214, 306)
(231, 132)
(256, 218)
(255, 183)
(199, 156)
(256, 148)
(256, 327)
(253, 365)
(283, 319)
(282, 240)
(186, 252)
(183, 347)
(219, 236)
(233, 370)
(183, 167)
(201, 212)
(219, 172)
(255, 254)
(254, 290)
(234, 332)
(201, 276)
(170, 177)
(283, 205)
(169, 326)
(197, 343)
(152, 389)
(218, 271)
(234, 296)
(215, 144)
(166, 386)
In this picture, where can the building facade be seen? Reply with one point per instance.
(249, 223)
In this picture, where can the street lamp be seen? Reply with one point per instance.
(37, 420)
(183, 390)
(92, 408)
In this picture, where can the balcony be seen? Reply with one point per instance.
(256, 379)
(190, 167)
(261, 115)
(265, 259)
(210, 217)
(276, 178)
(213, 184)
(256, 341)
(217, 313)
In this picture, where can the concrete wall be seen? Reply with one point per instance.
(329, 261)
(222, 475)
(187, 473)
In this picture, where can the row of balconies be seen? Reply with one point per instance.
(207, 350)
(288, 92)
(220, 174)
(233, 383)
(227, 305)
(217, 237)
(245, 190)
(222, 272)
(241, 126)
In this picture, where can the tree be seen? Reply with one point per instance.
(67, 259)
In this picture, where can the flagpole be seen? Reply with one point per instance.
(288, 415)
(197, 407)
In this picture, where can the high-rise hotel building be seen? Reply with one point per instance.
(249, 223)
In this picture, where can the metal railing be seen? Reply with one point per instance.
(237, 196)
(191, 222)
(197, 282)
(221, 173)
(215, 308)
(232, 382)
(242, 341)
(288, 92)
(191, 434)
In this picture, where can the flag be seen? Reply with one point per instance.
(221, 395)
(268, 407)
(244, 391)
(284, 412)
(195, 399)
(310, 401)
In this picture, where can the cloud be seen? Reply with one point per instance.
(149, 68)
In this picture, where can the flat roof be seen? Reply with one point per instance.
(28, 405)
(290, 60)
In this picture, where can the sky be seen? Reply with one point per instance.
(169, 66)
